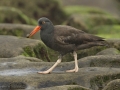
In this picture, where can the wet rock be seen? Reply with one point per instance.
(109, 51)
(113, 85)
(100, 61)
(14, 15)
(35, 9)
(66, 87)
(107, 31)
(114, 43)
(19, 30)
(88, 21)
(84, 10)
(12, 46)
(94, 73)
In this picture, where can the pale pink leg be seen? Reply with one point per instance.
(76, 63)
(49, 70)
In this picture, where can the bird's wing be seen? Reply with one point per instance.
(69, 35)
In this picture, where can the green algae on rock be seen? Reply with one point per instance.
(20, 30)
(13, 15)
(13, 46)
(36, 9)
(89, 21)
(84, 10)
(107, 31)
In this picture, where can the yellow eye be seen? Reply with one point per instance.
(43, 22)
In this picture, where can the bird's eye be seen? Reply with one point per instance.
(43, 22)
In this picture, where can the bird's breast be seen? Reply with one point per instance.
(47, 39)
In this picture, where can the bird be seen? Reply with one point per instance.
(64, 39)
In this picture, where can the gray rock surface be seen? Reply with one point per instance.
(87, 22)
(22, 58)
(109, 51)
(113, 85)
(20, 30)
(66, 87)
(115, 43)
(12, 46)
(94, 73)
(108, 5)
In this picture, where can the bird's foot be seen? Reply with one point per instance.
(44, 72)
(73, 70)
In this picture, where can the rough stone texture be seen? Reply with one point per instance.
(109, 51)
(12, 46)
(111, 6)
(14, 15)
(113, 85)
(20, 30)
(114, 43)
(94, 73)
(66, 87)
(88, 21)
(34, 9)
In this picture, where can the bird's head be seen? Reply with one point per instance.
(43, 24)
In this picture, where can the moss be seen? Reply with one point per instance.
(53, 54)
(77, 88)
(107, 31)
(72, 83)
(38, 51)
(28, 51)
(84, 10)
(16, 32)
(13, 15)
(82, 53)
(113, 85)
(89, 21)
(41, 52)
(101, 81)
(37, 8)
(90, 51)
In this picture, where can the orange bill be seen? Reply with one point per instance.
(37, 28)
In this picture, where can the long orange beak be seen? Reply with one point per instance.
(37, 28)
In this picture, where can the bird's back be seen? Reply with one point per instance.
(67, 39)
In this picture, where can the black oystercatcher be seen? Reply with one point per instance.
(64, 39)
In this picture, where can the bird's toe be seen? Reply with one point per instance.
(44, 72)
(73, 70)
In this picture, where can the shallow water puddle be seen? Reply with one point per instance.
(17, 72)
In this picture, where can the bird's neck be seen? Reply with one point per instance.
(47, 35)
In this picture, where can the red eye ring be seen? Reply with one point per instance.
(43, 22)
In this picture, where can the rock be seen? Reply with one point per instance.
(81, 53)
(36, 9)
(110, 6)
(113, 85)
(114, 43)
(94, 73)
(20, 30)
(107, 31)
(12, 46)
(100, 61)
(109, 51)
(84, 10)
(66, 87)
(88, 21)
(13, 15)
